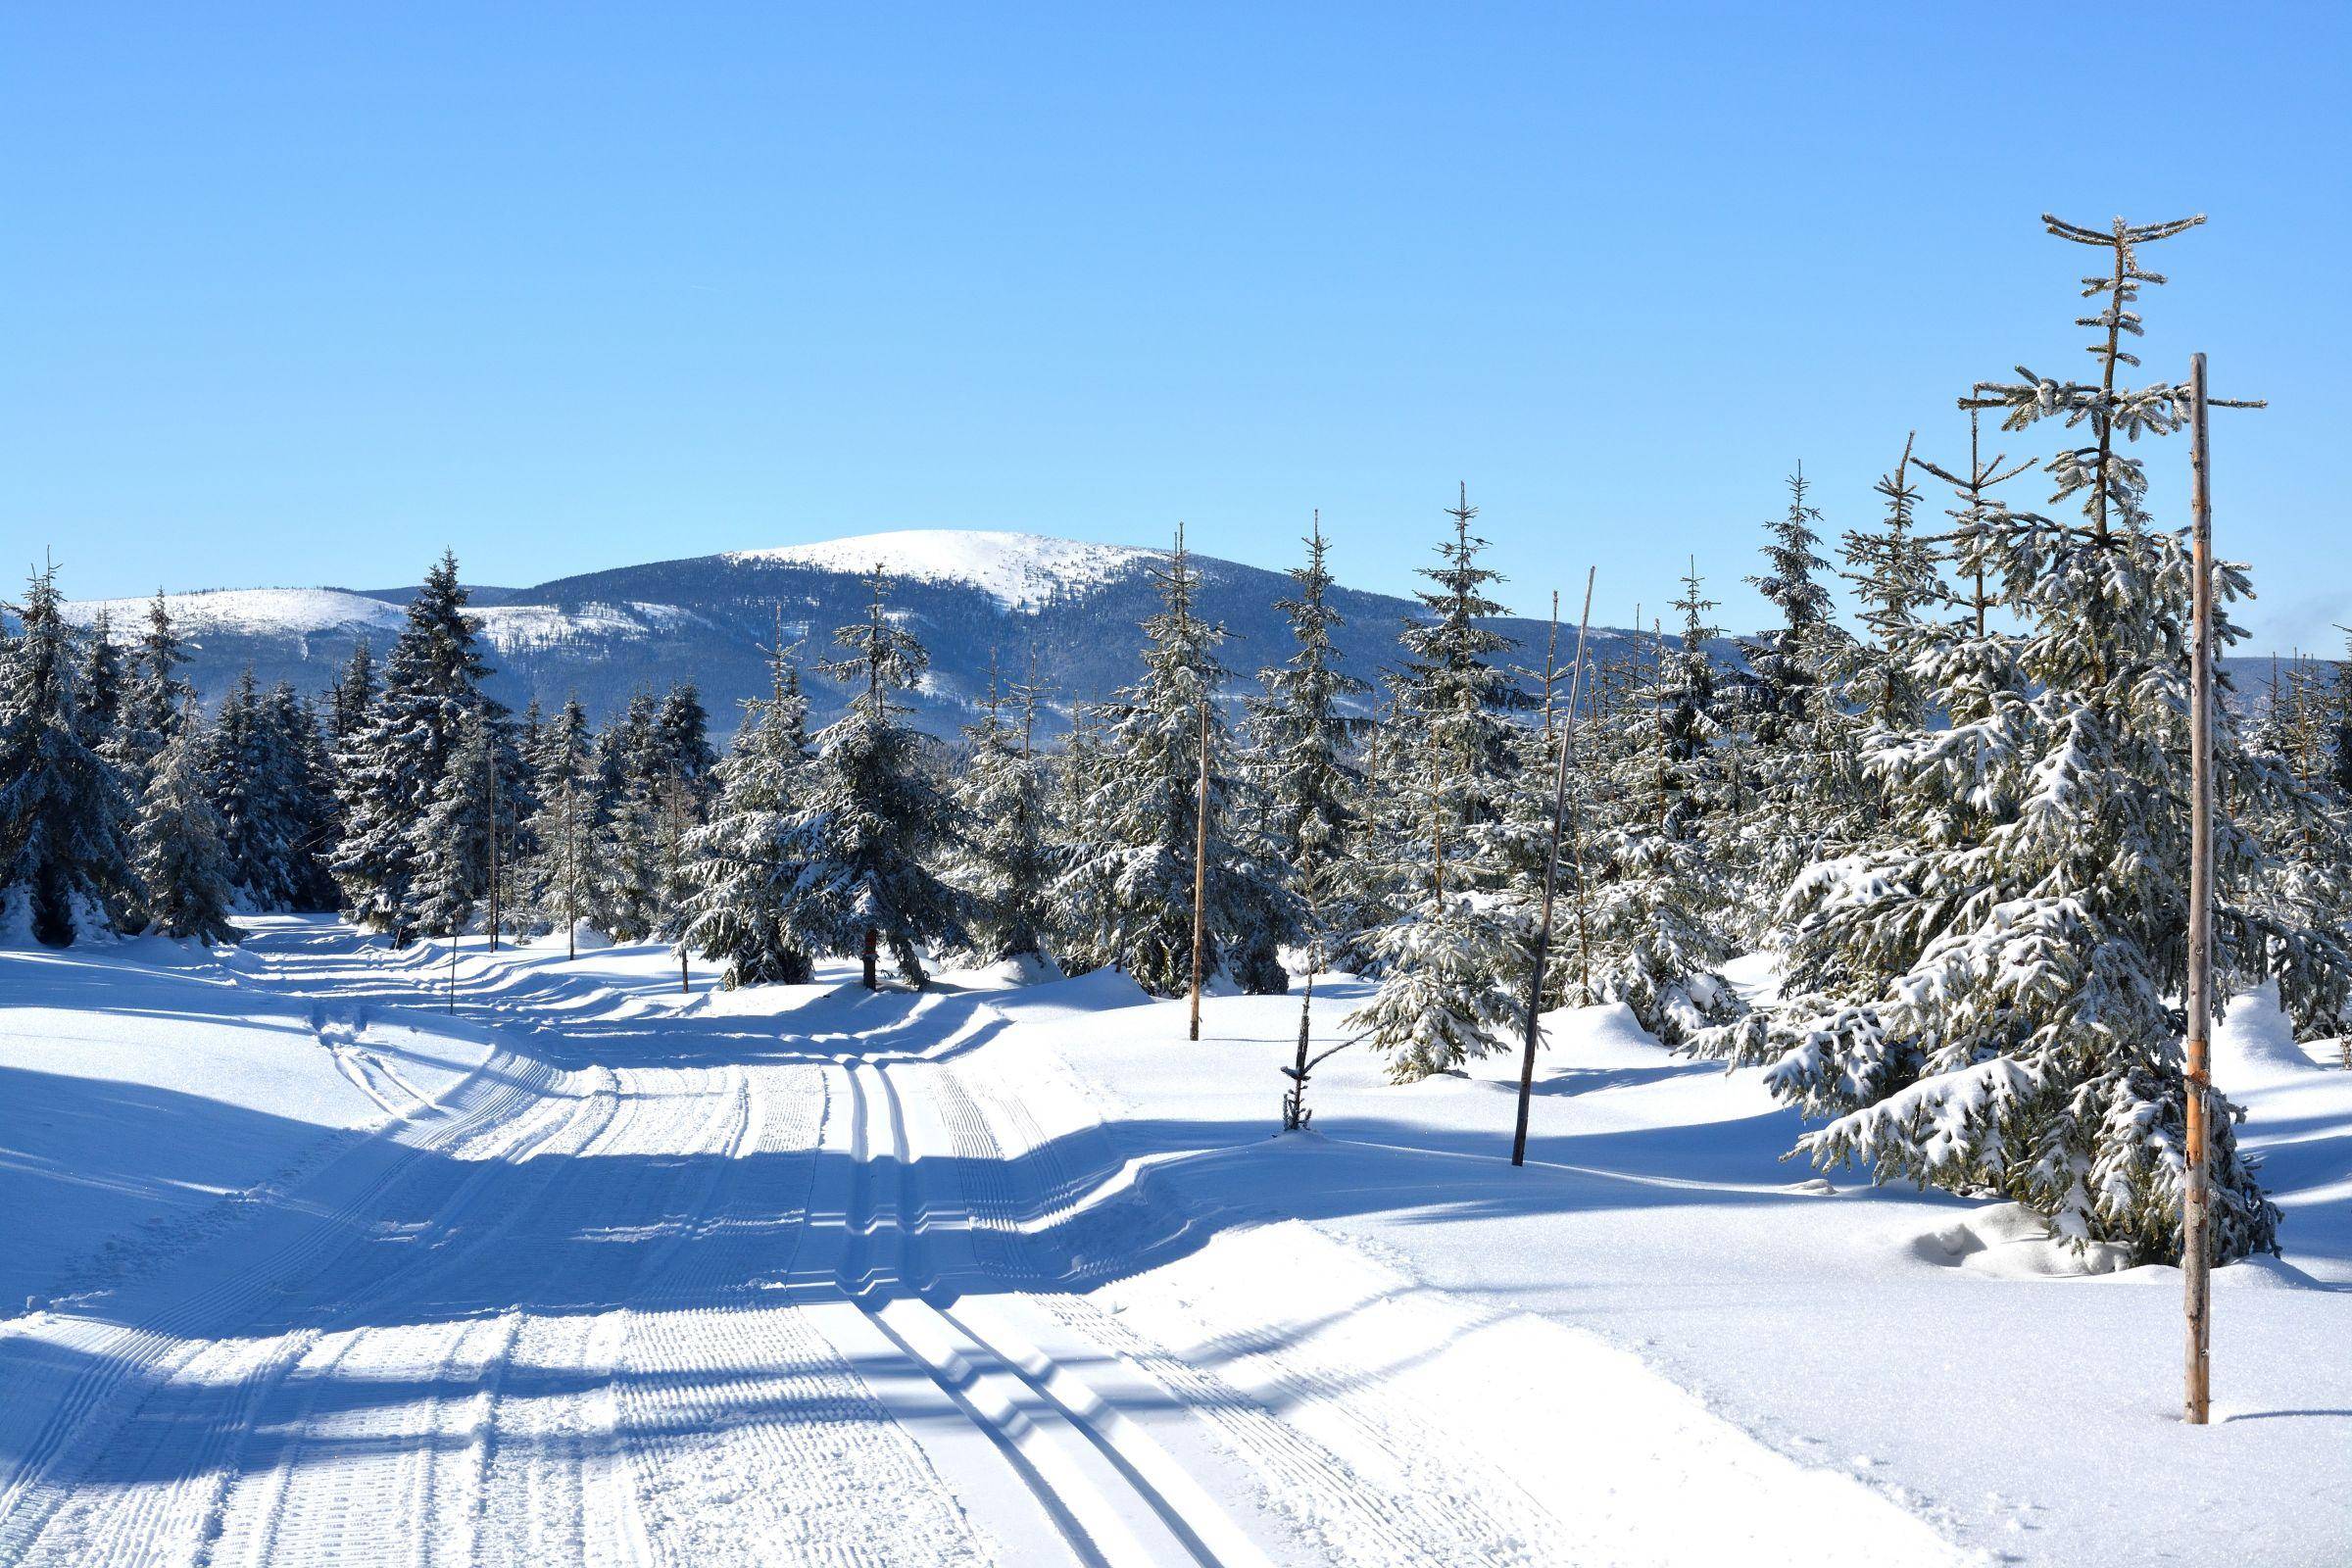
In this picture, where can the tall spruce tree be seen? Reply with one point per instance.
(871, 817)
(1895, 576)
(64, 859)
(1983, 999)
(308, 778)
(1449, 956)
(389, 770)
(101, 686)
(351, 695)
(185, 862)
(473, 801)
(1004, 862)
(744, 863)
(1306, 742)
(1125, 897)
(568, 839)
(1786, 664)
(1660, 902)
(155, 699)
(260, 792)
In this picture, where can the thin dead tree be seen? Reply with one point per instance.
(1201, 870)
(1552, 871)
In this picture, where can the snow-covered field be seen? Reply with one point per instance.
(301, 1267)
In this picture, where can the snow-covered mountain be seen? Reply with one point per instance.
(1067, 608)
(1019, 570)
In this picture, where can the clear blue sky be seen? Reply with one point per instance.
(301, 294)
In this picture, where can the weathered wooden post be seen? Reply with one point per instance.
(2195, 1219)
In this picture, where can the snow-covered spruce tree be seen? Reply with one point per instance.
(1307, 779)
(1785, 663)
(1305, 743)
(680, 792)
(351, 696)
(387, 772)
(1450, 958)
(870, 817)
(1658, 901)
(259, 793)
(308, 778)
(1894, 575)
(631, 768)
(1984, 1000)
(743, 865)
(473, 802)
(183, 862)
(1125, 894)
(682, 739)
(155, 698)
(63, 860)
(1796, 784)
(101, 686)
(1004, 863)
(568, 838)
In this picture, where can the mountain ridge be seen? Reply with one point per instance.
(1074, 607)
(975, 596)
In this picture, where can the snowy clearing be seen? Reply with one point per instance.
(594, 1271)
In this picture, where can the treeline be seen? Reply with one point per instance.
(1960, 825)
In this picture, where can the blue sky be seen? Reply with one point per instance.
(303, 294)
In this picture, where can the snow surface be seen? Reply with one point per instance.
(1019, 570)
(248, 612)
(1010, 1272)
(524, 628)
(149, 1090)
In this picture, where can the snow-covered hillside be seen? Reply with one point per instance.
(529, 628)
(246, 612)
(1019, 570)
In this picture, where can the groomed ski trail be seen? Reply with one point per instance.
(655, 1289)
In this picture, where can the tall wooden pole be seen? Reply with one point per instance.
(2195, 1217)
(1200, 872)
(490, 808)
(1551, 875)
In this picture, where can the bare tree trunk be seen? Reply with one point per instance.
(490, 794)
(1200, 872)
(873, 949)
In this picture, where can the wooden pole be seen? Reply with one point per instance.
(490, 806)
(2195, 1217)
(1552, 874)
(1201, 870)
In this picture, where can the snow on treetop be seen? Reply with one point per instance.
(255, 612)
(1017, 570)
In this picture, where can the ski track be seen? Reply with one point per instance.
(755, 1300)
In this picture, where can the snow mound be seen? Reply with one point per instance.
(247, 612)
(2010, 1242)
(1027, 969)
(1019, 570)
(2255, 1043)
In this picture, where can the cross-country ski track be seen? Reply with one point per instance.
(663, 1283)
